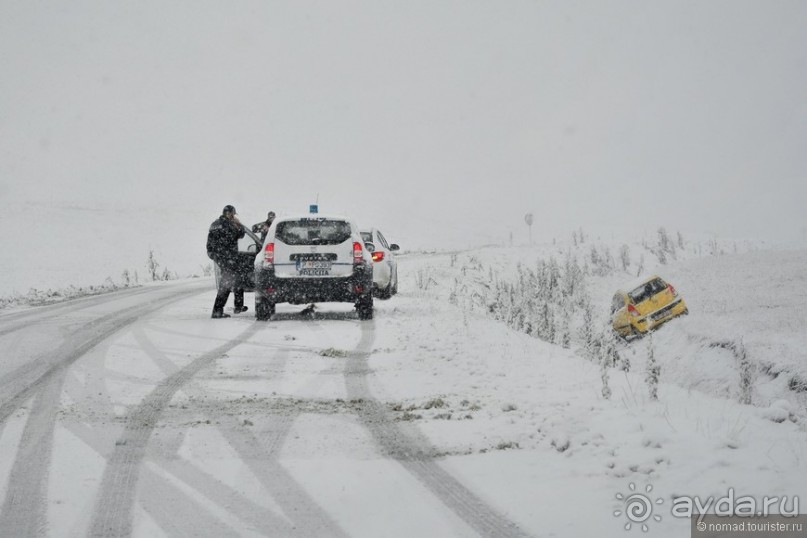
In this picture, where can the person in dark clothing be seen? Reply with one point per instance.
(222, 248)
(263, 227)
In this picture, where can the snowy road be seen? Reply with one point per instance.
(135, 414)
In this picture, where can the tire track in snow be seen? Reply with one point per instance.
(177, 513)
(25, 319)
(20, 385)
(259, 517)
(260, 455)
(23, 512)
(112, 515)
(414, 452)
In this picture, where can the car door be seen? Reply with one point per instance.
(248, 248)
(620, 319)
(389, 255)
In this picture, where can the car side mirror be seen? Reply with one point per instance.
(394, 247)
(253, 248)
(370, 247)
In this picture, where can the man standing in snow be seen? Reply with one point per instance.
(222, 248)
(263, 227)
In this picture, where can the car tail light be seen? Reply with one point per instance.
(378, 256)
(269, 255)
(633, 311)
(357, 253)
(672, 290)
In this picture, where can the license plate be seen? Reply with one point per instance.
(314, 267)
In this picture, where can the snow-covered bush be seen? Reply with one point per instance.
(548, 300)
(653, 370)
(152, 264)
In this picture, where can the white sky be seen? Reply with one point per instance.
(422, 117)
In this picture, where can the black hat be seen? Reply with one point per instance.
(227, 208)
(271, 214)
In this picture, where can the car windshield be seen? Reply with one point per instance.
(647, 290)
(313, 232)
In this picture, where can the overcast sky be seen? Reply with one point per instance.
(418, 116)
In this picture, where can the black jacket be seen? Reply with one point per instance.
(222, 241)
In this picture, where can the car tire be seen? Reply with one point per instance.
(395, 286)
(386, 293)
(264, 310)
(364, 307)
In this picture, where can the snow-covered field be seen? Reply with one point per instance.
(134, 413)
(751, 296)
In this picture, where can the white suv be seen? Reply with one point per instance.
(313, 258)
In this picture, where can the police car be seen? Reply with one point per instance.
(313, 258)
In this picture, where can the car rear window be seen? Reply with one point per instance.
(367, 236)
(313, 232)
(647, 290)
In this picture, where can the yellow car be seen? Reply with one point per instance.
(645, 305)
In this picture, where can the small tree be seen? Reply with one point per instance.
(663, 240)
(152, 265)
(746, 373)
(653, 370)
(680, 240)
(624, 257)
(624, 362)
(606, 389)
(588, 322)
(609, 349)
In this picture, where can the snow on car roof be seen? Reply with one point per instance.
(636, 282)
(314, 216)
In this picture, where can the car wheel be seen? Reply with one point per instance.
(395, 286)
(386, 293)
(364, 307)
(264, 310)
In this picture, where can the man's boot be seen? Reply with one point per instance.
(238, 298)
(218, 305)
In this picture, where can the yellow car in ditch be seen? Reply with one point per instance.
(644, 305)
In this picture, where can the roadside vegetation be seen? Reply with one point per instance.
(129, 278)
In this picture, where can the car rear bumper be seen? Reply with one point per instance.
(312, 289)
(656, 318)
